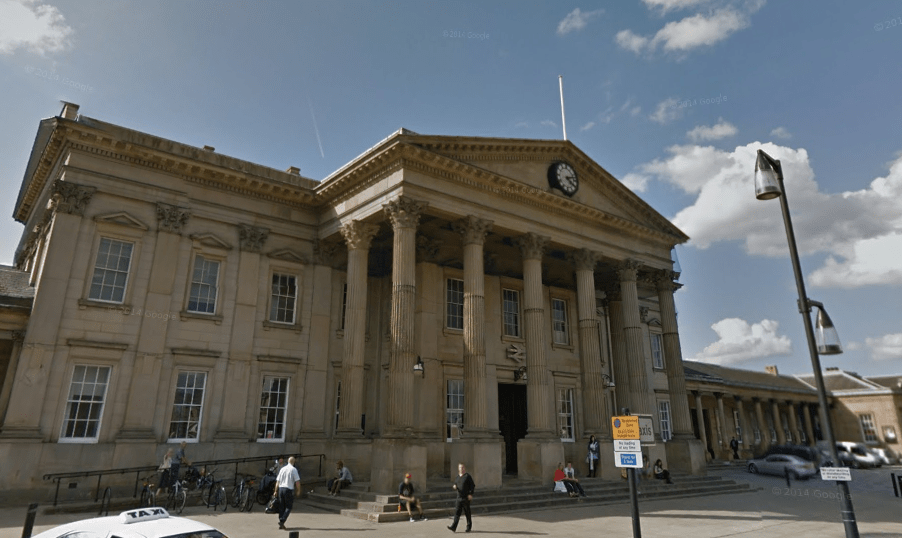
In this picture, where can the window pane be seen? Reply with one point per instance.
(455, 303)
(273, 400)
(559, 321)
(454, 410)
(511, 311)
(187, 406)
(565, 413)
(284, 297)
(664, 419)
(110, 271)
(84, 404)
(204, 281)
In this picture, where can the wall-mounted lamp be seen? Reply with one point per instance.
(419, 368)
(607, 382)
(520, 373)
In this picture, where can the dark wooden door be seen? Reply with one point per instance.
(511, 421)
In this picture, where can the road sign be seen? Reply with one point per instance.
(628, 459)
(625, 427)
(646, 430)
(836, 473)
(627, 445)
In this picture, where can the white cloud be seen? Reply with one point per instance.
(631, 41)
(860, 231)
(576, 20)
(548, 123)
(521, 125)
(671, 5)
(667, 111)
(888, 346)
(26, 24)
(587, 126)
(635, 111)
(738, 341)
(781, 132)
(635, 182)
(722, 129)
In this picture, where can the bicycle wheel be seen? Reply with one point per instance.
(244, 500)
(179, 500)
(222, 498)
(248, 499)
(206, 495)
(146, 498)
(235, 496)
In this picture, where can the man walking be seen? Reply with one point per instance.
(288, 483)
(464, 486)
(734, 445)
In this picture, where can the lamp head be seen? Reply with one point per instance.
(419, 368)
(768, 174)
(825, 334)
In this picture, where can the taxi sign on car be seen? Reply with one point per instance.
(153, 522)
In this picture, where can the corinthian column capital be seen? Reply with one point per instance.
(404, 212)
(628, 271)
(358, 235)
(68, 197)
(664, 280)
(172, 218)
(252, 238)
(532, 246)
(583, 259)
(473, 229)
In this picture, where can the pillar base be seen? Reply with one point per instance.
(539, 458)
(391, 459)
(482, 458)
(686, 455)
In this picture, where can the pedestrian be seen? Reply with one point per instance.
(592, 456)
(407, 500)
(289, 484)
(342, 480)
(177, 460)
(734, 445)
(465, 487)
(570, 477)
(661, 473)
(165, 471)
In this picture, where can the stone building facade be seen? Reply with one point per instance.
(437, 299)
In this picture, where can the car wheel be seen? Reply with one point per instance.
(753, 468)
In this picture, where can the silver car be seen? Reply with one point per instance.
(780, 464)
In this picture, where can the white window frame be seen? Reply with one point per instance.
(267, 410)
(106, 271)
(199, 406)
(68, 411)
(564, 329)
(450, 303)
(191, 282)
(454, 409)
(866, 421)
(656, 340)
(274, 297)
(757, 435)
(517, 315)
(566, 424)
(665, 420)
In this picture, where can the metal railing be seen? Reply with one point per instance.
(58, 477)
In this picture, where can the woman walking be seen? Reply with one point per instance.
(592, 457)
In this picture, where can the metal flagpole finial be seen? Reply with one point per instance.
(560, 79)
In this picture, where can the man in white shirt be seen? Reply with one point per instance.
(287, 483)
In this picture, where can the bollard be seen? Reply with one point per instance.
(786, 472)
(895, 485)
(29, 520)
(294, 534)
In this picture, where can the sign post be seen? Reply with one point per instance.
(628, 453)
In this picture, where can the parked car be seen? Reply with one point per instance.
(885, 455)
(818, 456)
(139, 523)
(856, 455)
(780, 464)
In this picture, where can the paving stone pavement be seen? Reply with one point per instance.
(803, 510)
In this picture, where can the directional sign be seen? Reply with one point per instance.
(836, 473)
(625, 427)
(646, 430)
(628, 459)
(623, 445)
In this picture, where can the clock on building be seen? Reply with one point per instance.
(562, 176)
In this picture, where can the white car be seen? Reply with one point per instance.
(858, 455)
(780, 464)
(139, 523)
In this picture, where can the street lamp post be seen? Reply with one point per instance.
(768, 185)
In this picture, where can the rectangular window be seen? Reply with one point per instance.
(868, 428)
(454, 412)
(273, 403)
(559, 321)
(664, 419)
(657, 353)
(344, 304)
(204, 285)
(565, 413)
(510, 300)
(738, 424)
(455, 304)
(111, 271)
(188, 406)
(757, 436)
(84, 405)
(284, 298)
(787, 433)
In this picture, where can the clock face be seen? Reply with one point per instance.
(563, 177)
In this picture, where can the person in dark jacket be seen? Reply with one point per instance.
(593, 456)
(464, 486)
(734, 446)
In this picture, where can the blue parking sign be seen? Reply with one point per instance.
(628, 459)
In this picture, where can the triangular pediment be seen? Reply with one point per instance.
(210, 240)
(121, 218)
(287, 255)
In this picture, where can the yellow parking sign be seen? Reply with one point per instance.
(625, 427)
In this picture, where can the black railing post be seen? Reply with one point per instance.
(895, 485)
(57, 493)
(29, 520)
(97, 491)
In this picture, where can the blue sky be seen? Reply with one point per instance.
(671, 96)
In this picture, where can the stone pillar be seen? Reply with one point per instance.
(358, 236)
(743, 424)
(540, 452)
(721, 425)
(6, 390)
(639, 398)
(778, 424)
(793, 422)
(700, 417)
(809, 430)
(762, 426)
(619, 364)
(404, 215)
(673, 355)
(595, 412)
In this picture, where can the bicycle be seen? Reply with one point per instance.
(178, 496)
(215, 494)
(148, 497)
(241, 493)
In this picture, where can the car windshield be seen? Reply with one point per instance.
(859, 451)
(199, 534)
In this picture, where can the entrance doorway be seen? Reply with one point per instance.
(511, 421)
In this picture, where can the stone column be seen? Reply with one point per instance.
(793, 422)
(358, 236)
(595, 410)
(743, 424)
(721, 423)
(778, 424)
(700, 417)
(809, 430)
(619, 362)
(673, 355)
(762, 425)
(404, 214)
(640, 400)
(473, 231)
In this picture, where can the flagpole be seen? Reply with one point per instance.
(560, 79)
